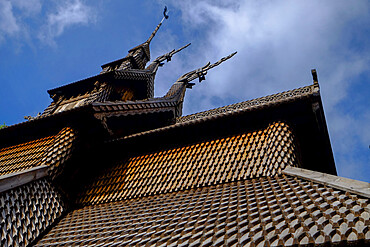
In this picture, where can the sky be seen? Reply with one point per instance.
(46, 44)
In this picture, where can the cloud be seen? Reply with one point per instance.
(8, 23)
(278, 42)
(28, 7)
(13, 15)
(70, 13)
(19, 19)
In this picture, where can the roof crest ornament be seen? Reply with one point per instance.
(314, 76)
(169, 55)
(158, 62)
(201, 72)
(146, 43)
(165, 16)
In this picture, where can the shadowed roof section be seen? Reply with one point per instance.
(249, 105)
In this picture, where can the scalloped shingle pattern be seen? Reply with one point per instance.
(278, 211)
(60, 151)
(264, 152)
(51, 151)
(27, 211)
(24, 156)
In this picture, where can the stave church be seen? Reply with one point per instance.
(109, 164)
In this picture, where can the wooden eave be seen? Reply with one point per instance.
(93, 115)
(109, 77)
(46, 125)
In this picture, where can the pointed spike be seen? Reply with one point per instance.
(169, 55)
(198, 73)
(158, 26)
(153, 33)
(164, 12)
(314, 76)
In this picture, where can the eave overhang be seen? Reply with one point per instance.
(44, 125)
(135, 79)
(97, 120)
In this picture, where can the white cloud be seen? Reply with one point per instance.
(28, 7)
(19, 19)
(12, 17)
(274, 40)
(8, 23)
(278, 42)
(68, 14)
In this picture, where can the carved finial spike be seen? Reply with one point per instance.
(165, 16)
(169, 55)
(314, 76)
(164, 12)
(201, 72)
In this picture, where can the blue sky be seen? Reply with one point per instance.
(46, 44)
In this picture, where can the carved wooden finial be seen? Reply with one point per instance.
(165, 16)
(201, 72)
(314, 76)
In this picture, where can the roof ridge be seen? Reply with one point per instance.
(19, 178)
(353, 186)
(248, 103)
(231, 109)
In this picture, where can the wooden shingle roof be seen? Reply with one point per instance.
(52, 151)
(27, 211)
(268, 211)
(130, 171)
(265, 101)
(264, 152)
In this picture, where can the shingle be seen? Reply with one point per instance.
(217, 214)
(27, 211)
(210, 162)
(51, 151)
(259, 102)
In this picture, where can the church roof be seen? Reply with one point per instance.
(109, 164)
(264, 152)
(268, 211)
(261, 102)
(52, 151)
(243, 188)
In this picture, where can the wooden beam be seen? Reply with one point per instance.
(13, 180)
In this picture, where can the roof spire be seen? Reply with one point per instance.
(314, 76)
(165, 16)
(145, 45)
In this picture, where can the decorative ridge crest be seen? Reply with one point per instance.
(165, 16)
(147, 42)
(169, 55)
(158, 61)
(201, 72)
(257, 102)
